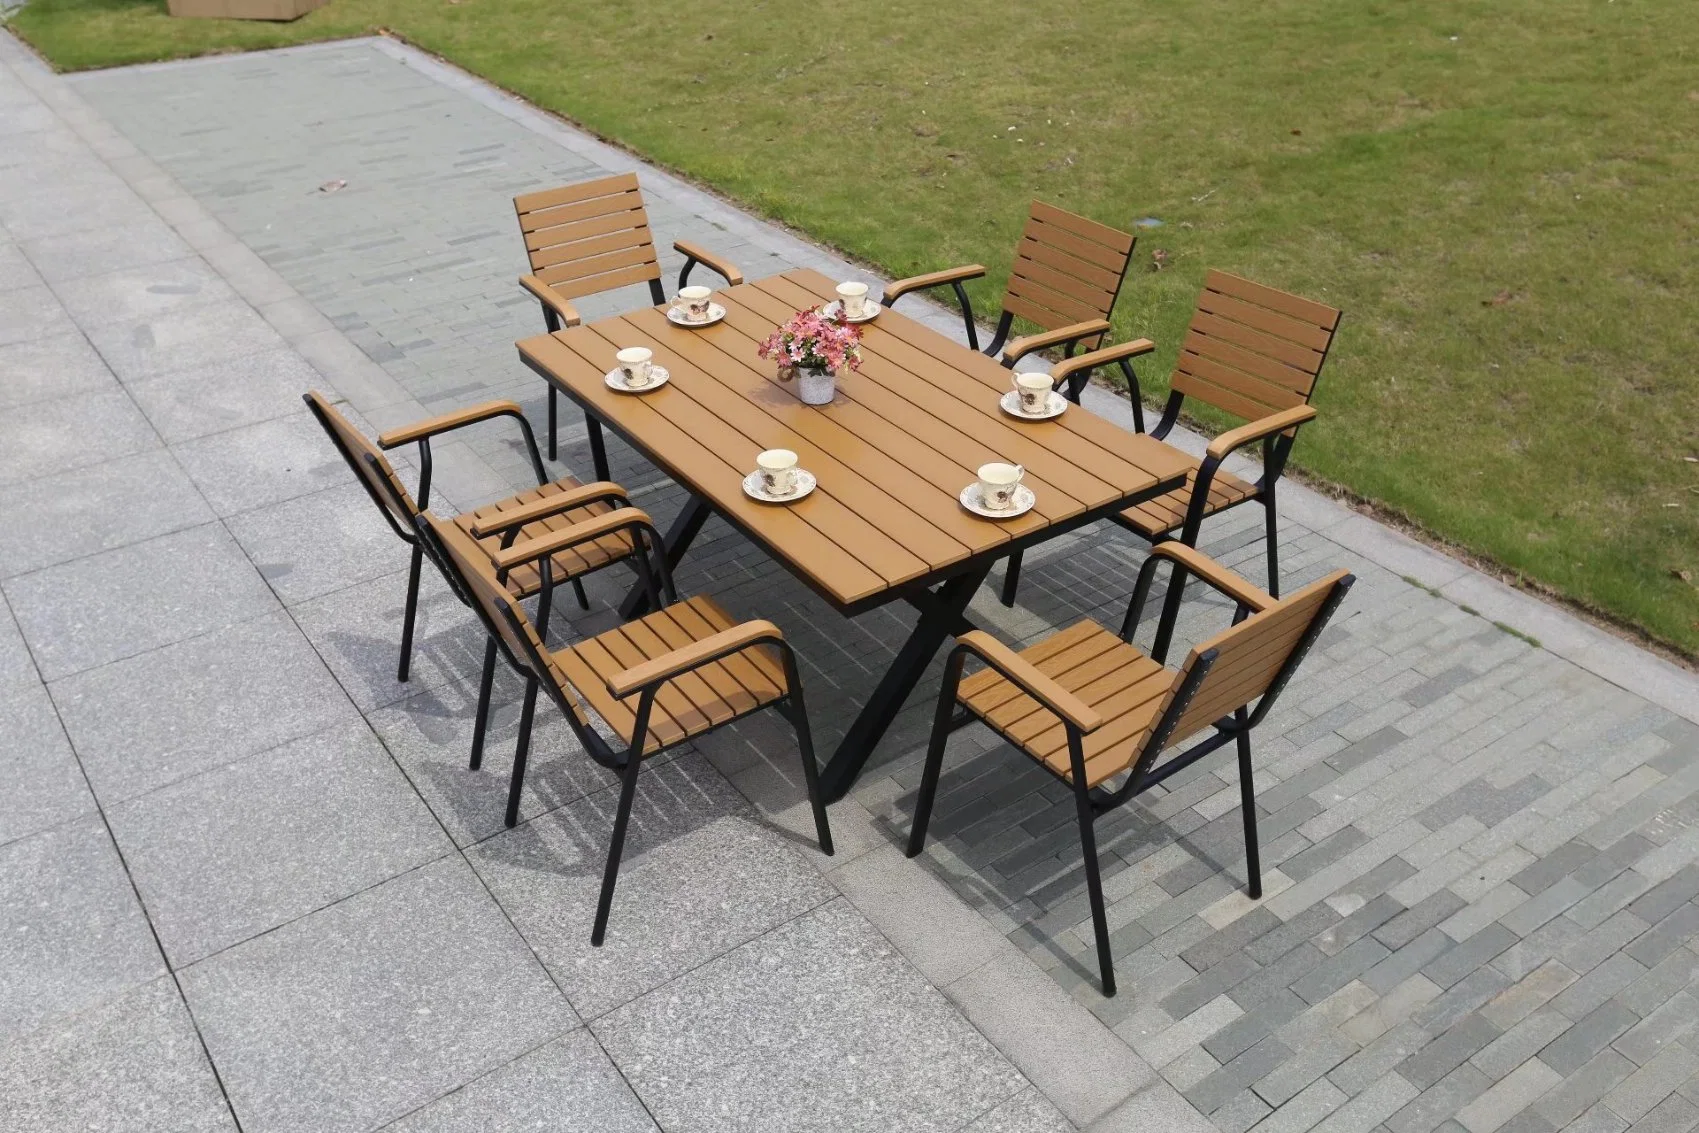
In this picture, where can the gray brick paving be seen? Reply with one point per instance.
(1481, 866)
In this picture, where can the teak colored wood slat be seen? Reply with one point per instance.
(888, 515)
(1273, 322)
(1112, 238)
(930, 400)
(1296, 306)
(1049, 309)
(564, 218)
(580, 250)
(1278, 357)
(925, 481)
(1090, 272)
(698, 399)
(1229, 389)
(582, 191)
(1097, 298)
(1252, 375)
(1050, 236)
(699, 468)
(564, 232)
(575, 285)
(1085, 441)
(1057, 450)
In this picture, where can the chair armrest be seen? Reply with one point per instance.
(547, 506)
(1061, 336)
(897, 288)
(547, 297)
(460, 418)
(694, 656)
(1025, 675)
(1256, 430)
(1067, 367)
(542, 546)
(697, 254)
(1197, 563)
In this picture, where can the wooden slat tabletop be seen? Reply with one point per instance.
(891, 453)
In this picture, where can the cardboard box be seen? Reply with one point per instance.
(243, 9)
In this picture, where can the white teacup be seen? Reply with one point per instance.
(1034, 392)
(852, 299)
(997, 484)
(777, 468)
(635, 362)
(693, 301)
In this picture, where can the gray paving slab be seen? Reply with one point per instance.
(97, 251)
(430, 736)
(700, 876)
(32, 313)
(52, 366)
(316, 544)
(266, 463)
(222, 395)
(44, 784)
(180, 338)
(817, 1025)
(568, 1080)
(133, 1064)
(96, 508)
(144, 721)
(133, 293)
(75, 933)
(120, 603)
(70, 432)
(366, 1010)
(238, 850)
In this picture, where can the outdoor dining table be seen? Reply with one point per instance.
(892, 453)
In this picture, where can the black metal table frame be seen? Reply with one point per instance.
(941, 597)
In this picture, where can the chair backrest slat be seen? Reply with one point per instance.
(1252, 350)
(587, 238)
(377, 475)
(1067, 269)
(1250, 656)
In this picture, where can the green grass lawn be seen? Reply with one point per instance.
(1502, 195)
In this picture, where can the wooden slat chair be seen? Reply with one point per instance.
(553, 504)
(1251, 351)
(685, 669)
(1091, 707)
(592, 237)
(1065, 279)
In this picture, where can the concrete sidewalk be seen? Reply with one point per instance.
(1481, 852)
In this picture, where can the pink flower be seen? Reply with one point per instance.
(808, 339)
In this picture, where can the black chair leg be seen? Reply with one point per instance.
(1170, 613)
(616, 845)
(521, 752)
(1011, 578)
(1094, 887)
(412, 613)
(1273, 547)
(578, 592)
(935, 754)
(810, 772)
(481, 724)
(552, 417)
(1248, 803)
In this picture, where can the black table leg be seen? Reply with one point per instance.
(940, 617)
(678, 538)
(598, 450)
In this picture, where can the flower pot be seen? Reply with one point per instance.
(815, 387)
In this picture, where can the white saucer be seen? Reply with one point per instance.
(1055, 407)
(868, 313)
(677, 317)
(804, 485)
(1024, 499)
(616, 380)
